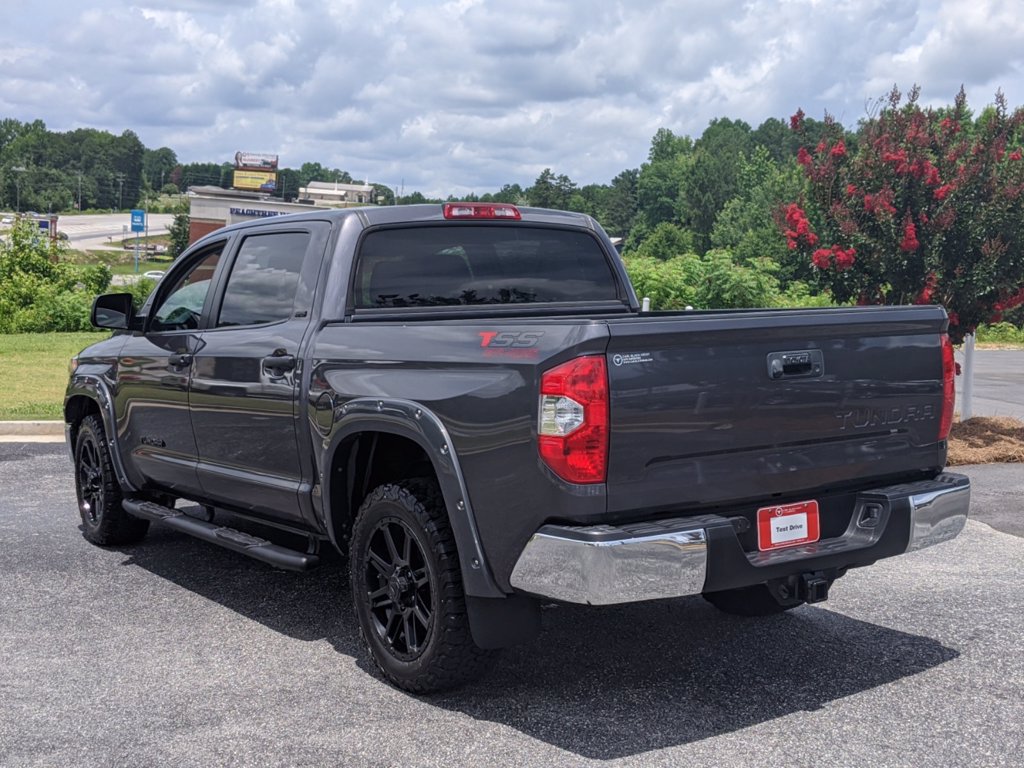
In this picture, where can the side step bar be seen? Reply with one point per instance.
(229, 538)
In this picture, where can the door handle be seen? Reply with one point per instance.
(279, 364)
(179, 361)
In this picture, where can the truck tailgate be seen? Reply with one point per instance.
(719, 409)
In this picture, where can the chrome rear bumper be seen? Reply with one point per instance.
(604, 564)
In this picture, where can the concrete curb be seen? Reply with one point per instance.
(32, 428)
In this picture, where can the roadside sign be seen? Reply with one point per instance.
(138, 220)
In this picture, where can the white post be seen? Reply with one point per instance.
(646, 306)
(968, 373)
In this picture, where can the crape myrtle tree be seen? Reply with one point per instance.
(927, 208)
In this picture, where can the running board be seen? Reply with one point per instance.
(229, 538)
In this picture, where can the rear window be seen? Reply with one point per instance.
(467, 265)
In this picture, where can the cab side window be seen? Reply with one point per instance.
(181, 308)
(264, 279)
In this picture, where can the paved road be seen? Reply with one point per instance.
(177, 653)
(95, 231)
(998, 383)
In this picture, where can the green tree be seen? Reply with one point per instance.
(747, 224)
(179, 231)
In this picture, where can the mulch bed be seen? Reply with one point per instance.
(986, 440)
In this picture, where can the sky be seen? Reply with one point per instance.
(467, 95)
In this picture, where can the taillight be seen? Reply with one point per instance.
(948, 388)
(481, 211)
(573, 424)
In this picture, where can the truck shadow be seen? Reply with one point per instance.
(600, 683)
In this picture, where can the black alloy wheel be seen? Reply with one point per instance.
(398, 584)
(104, 520)
(407, 589)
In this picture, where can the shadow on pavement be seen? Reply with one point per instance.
(600, 683)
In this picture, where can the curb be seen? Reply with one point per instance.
(32, 428)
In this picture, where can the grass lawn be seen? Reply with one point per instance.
(144, 266)
(34, 372)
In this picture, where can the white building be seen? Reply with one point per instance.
(337, 195)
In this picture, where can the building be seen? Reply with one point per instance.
(336, 195)
(211, 208)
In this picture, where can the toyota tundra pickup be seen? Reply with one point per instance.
(469, 403)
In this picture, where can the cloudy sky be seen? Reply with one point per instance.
(466, 95)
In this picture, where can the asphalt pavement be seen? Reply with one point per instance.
(998, 383)
(174, 652)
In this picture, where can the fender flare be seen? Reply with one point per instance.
(93, 387)
(412, 421)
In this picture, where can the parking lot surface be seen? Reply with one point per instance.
(175, 652)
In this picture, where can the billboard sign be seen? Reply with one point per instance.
(256, 161)
(138, 220)
(260, 181)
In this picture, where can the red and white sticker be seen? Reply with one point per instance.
(787, 525)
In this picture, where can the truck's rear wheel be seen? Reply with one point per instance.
(104, 522)
(757, 600)
(407, 589)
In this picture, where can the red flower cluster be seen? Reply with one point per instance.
(796, 122)
(822, 258)
(851, 190)
(909, 242)
(925, 296)
(1016, 155)
(804, 157)
(839, 150)
(880, 202)
(798, 227)
(942, 192)
(1007, 304)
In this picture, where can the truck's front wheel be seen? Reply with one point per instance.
(104, 521)
(407, 589)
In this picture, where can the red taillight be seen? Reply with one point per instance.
(948, 388)
(572, 425)
(481, 211)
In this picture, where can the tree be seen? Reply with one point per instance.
(550, 191)
(928, 209)
(746, 225)
(179, 235)
(157, 165)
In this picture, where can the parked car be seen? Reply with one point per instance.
(154, 274)
(469, 402)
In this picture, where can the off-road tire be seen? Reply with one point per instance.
(104, 521)
(416, 575)
(749, 601)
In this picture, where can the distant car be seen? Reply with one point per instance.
(7, 221)
(62, 236)
(154, 274)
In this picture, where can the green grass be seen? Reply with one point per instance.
(34, 372)
(144, 266)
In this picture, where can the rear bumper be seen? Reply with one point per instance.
(603, 564)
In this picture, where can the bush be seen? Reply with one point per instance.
(1001, 333)
(713, 281)
(38, 291)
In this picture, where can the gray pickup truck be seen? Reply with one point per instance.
(468, 402)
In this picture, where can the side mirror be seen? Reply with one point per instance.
(112, 310)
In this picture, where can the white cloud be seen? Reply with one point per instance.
(465, 95)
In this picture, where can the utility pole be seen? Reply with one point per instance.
(120, 187)
(17, 186)
(79, 190)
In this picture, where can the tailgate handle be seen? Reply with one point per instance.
(806, 362)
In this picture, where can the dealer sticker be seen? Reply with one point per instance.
(787, 525)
